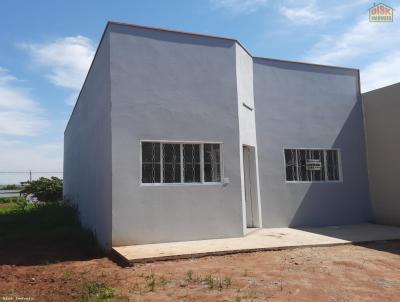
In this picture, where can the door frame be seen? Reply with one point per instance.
(250, 187)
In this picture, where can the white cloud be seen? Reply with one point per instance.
(71, 100)
(310, 12)
(363, 39)
(19, 113)
(68, 60)
(382, 73)
(372, 47)
(305, 14)
(239, 6)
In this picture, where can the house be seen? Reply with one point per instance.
(179, 136)
(382, 111)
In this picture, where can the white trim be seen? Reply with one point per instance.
(178, 142)
(201, 163)
(182, 182)
(315, 181)
(161, 163)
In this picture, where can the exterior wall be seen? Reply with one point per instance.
(247, 123)
(170, 86)
(309, 106)
(87, 150)
(382, 110)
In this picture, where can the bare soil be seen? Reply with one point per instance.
(368, 272)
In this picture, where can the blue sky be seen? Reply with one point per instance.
(46, 48)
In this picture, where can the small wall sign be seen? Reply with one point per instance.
(313, 165)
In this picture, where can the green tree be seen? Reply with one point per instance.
(44, 189)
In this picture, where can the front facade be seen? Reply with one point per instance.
(179, 136)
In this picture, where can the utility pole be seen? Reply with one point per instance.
(30, 175)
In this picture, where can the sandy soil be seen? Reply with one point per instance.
(370, 272)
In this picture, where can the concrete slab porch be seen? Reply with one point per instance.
(261, 240)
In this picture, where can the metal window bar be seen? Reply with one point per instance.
(216, 171)
(153, 157)
(161, 163)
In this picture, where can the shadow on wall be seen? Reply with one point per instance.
(346, 202)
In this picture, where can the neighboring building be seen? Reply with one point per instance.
(178, 136)
(382, 111)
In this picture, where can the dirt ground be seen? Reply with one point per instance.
(342, 273)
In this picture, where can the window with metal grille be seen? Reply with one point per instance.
(175, 162)
(191, 162)
(171, 158)
(312, 165)
(212, 163)
(151, 162)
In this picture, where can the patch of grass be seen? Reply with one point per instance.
(151, 282)
(251, 296)
(209, 281)
(96, 291)
(189, 276)
(186, 298)
(216, 283)
(68, 274)
(227, 281)
(163, 281)
(46, 224)
(137, 288)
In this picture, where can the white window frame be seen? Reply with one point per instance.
(181, 143)
(340, 180)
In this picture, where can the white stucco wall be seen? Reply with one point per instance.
(87, 150)
(177, 87)
(247, 124)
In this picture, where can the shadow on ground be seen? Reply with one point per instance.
(392, 246)
(379, 237)
(36, 235)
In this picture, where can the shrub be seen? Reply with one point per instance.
(44, 189)
(15, 199)
(11, 187)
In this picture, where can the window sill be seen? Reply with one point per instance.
(199, 184)
(315, 182)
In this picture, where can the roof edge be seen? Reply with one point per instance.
(179, 32)
(223, 38)
(110, 23)
(307, 63)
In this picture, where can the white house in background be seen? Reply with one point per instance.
(179, 136)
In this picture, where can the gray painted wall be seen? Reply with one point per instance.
(382, 111)
(307, 106)
(171, 86)
(87, 149)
